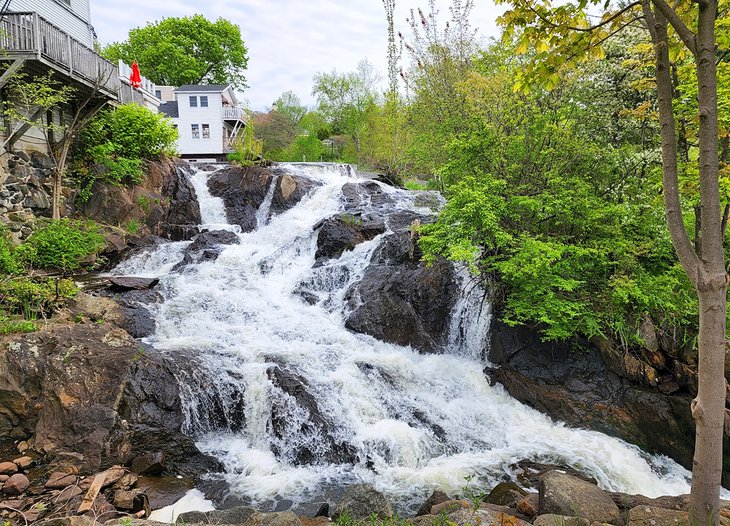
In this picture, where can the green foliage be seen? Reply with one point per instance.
(113, 145)
(246, 148)
(8, 261)
(557, 195)
(63, 244)
(186, 50)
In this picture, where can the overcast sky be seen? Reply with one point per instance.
(288, 41)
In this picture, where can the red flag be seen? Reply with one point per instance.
(135, 78)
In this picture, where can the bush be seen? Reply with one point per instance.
(8, 262)
(119, 140)
(62, 244)
(246, 148)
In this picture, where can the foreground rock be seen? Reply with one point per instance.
(90, 393)
(362, 501)
(563, 494)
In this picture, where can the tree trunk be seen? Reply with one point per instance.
(708, 408)
(706, 272)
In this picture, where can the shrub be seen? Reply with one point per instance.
(32, 298)
(8, 262)
(246, 148)
(63, 244)
(119, 140)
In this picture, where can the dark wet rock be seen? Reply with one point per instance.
(244, 189)
(343, 232)
(148, 464)
(91, 393)
(437, 497)
(563, 494)
(126, 283)
(162, 491)
(401, 300)
(207, 246)
(361, 501)
(367, 194)
(235, 515)
(573, 382)
(505, 494)
(324, 510)
(320, 445)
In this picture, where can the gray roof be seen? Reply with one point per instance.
(210, 88)
(170, 109)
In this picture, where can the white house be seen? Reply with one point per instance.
(208, 119)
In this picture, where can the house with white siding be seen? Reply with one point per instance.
(208, 119)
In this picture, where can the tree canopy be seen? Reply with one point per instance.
(187, 50)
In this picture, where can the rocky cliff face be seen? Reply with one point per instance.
(164, 204)
(599, 387)
(88, 392)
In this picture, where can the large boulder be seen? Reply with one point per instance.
(245, 189)
(207, 246)
(235, 515)
(361, 501)
(402, 300)
(563, 494)
(343, 232)
(164, 204)
(651, 516)
(575, 383)
(90, 392)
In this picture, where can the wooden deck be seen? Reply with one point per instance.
(30, 36)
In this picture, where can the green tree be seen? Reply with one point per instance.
(290, 105)
(561, 34)
(187, 50)
(344, 99)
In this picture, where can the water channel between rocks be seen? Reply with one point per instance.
(405, 422)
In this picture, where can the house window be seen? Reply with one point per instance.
(196, 131)
(204, 101)
(158, 93)
(193, 101)
(206, 131)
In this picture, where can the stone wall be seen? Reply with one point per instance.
(26, 182)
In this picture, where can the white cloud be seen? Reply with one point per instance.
(288, 40)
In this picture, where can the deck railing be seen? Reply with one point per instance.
(29, 33)
(232, 113)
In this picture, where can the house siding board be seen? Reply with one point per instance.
(212, 115)
(74, 19)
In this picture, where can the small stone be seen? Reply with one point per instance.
(3, 478)
(16, 484)
(437, 497)
(23, 462)
(59, 480)
(8, 468)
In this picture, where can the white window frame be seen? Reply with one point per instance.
(204, 101)
(195, 131)
(193, 101)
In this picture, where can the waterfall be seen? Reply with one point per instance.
(294, 404)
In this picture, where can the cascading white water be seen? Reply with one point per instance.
(415, 422)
